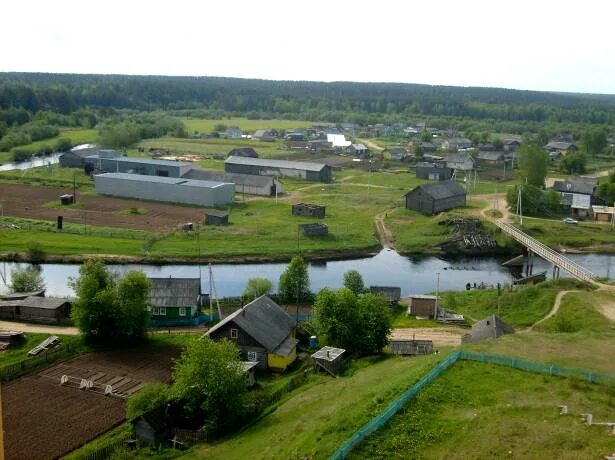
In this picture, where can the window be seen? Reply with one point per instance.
(234, 333)
(182, 311)
(159, 311)
(252, 356)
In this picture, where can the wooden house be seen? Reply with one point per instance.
(309, 210)
(423, 305)
(52, 310)
(411, 347)
(510, 145)
(174, 301)
(460, 162)
(457, 143)
(578, 195)
(561, 147)
(328, 359)
(491, 158)
(434, 198)
(263, 332)
(433, 171)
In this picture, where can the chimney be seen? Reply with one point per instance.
(327, 353)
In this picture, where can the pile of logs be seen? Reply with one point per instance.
(469, 233)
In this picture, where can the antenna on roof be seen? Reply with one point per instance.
(212, 294)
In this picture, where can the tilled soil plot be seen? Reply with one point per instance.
(43, 419)
(33, 202)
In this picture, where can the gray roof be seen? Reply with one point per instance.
(265, 322)
(581, 186)
(243, 151)
(164, 180)
(358, 146)
(241, 179)
(22, 295)
(491, 156)
(302, 165)
(47, 303)
(174, 292)
(149, 161)
(91, 151)
(560, 145)
(444, 189)
(511, 141)
(329, 353)
(458, 158)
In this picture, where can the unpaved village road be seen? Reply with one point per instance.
(441, 336)
(38, 329)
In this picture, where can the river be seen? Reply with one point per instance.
(34, 163)
(387, 268)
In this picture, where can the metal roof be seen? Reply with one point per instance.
(491, 156)
(241, 179)
(329, 353)
(148, 161)
(47, 303)
(265, 322)
(581, 186)
(284, 164)
(174, 292)
(444, 189)
(164, 180)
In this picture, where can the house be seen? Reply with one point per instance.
(167, 189)
(174, 301)
(434, 198)
(309, 210)
(262, 167)
(561, 147)
(214, 217)
(428, 147)
(433, 171)
(578, 195)
(423, 305)
(263, 332)
(328, 359)
(37, 309)
(603, 213)
(153, 427)
(316, 229)
(297, 145)
(510, 145)
(232, 132)
(489, 328)
(411, 347)
(247, 152)
(22, 295)
(460, 161)
(456, 143)
(297, 135)
(265, 135)
(75, 158)
(143, 166)
(350, 128)
(319, 145)
(391, 293)
(244, 183)
(358, 150)
(338, 140)
(397, 153)
(491, 158)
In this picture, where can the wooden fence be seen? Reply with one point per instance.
(12, 371)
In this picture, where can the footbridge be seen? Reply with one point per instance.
(558, 260)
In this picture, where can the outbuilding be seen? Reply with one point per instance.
(143, 166)
(264, 167)
(76, 157)
(434, 198)
(247, 152)
(52, 310)
(328, 359)
(391, 293)
(433, 171)
(411, 347)
(174, 190)
(244, 183)
(423, 305)
(489, 328)
(308, 210)
(315, 229)
(215, 217)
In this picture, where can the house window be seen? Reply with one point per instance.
(252, 356)
(182, 311)
(159, 311)
(234, 333)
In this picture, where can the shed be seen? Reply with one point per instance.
(309, 210)
(10, 337)
(433, 171)
(67, 199)
(264, 167)
(75, 158)
(411, 347)
(491, 327)
(143, 166)
(244, 183)
(434, 198)
(603, 213)
(174, 301)
(153, 427)
(248, 369)
(491, 158)
(247, 152)
(315, 229)
(53, 310)
(391, 293)
(328, 359)
(422, 305)
(214, 217)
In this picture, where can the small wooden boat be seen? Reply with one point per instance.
(531, 279)
(515, 261)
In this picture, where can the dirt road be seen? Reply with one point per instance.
(384, 234)
(441, 336)
(39, 329)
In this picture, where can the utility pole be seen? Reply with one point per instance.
(435, 313)
(74, 187)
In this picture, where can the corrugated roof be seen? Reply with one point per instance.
(581, 186)
(149, 161)
(491, 156)
(241, 179)
(47, 303)
(444, 189)
(265, 322)
(328, 353)
(302, 165)
(174, 292)
(164, 180)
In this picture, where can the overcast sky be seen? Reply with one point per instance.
(538, 44)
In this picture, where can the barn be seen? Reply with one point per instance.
(144, 166)
(76, 157)
(53, 310)
(411, 347)
(244, 183)
(434, 198)
(423, 305)
(174, 190)
(263, 167)
(433, 171)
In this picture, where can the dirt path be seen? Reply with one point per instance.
(553, 312)
(384, 234)
(500, 205)
(35, 328)
(441, 336)
(370, 144)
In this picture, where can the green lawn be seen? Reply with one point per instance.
(206, 126)
(51, 176)
(318, 417)
(76, 136)
(556, 233)
(476, 410)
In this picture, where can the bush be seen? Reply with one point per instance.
(35, 251)
(151, 396)
(26, 280)
(63, 145)
(20, 155)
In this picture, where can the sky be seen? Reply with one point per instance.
(540, 44)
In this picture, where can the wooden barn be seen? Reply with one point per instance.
(411, 347)
(434, 198)
(53, 310)
(263, 332)
(309, 210)
(328, 359)
(423, 305)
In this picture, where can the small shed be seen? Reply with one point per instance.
(307, 209)
(391, 293)
(434, 198)
(411, 347)
(422, 305)
(316, 229)
(328, 359)
(491, 327)
(153, 427)
(248, 369)
(67, 199)
(8, 338)
(213, 217)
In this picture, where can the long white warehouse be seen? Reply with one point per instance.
(174, 190)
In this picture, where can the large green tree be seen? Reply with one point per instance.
(27, 279)
(209, 380)
(257, 287)
(109, 309)
(573, 163)
(534, 164)
(594, 141)
(354, 281)
(294, 282)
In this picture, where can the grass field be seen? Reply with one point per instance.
(556, 233)
(76, 136)
(246, 125)
(320, 416)
(477, 410)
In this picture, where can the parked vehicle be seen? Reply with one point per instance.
(570, 220)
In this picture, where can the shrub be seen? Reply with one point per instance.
(35, 251)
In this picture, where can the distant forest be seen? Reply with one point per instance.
(332, 102)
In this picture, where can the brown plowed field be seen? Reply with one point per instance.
(29, 202)
(43, 419)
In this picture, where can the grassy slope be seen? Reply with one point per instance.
(205, 126)
(483, 411)
(555, 233)
(314, 421)
(76, 136)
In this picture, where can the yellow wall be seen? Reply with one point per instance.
(280, 362)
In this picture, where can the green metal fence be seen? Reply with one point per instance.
(516, 363)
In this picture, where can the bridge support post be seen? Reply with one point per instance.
(530, 262)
